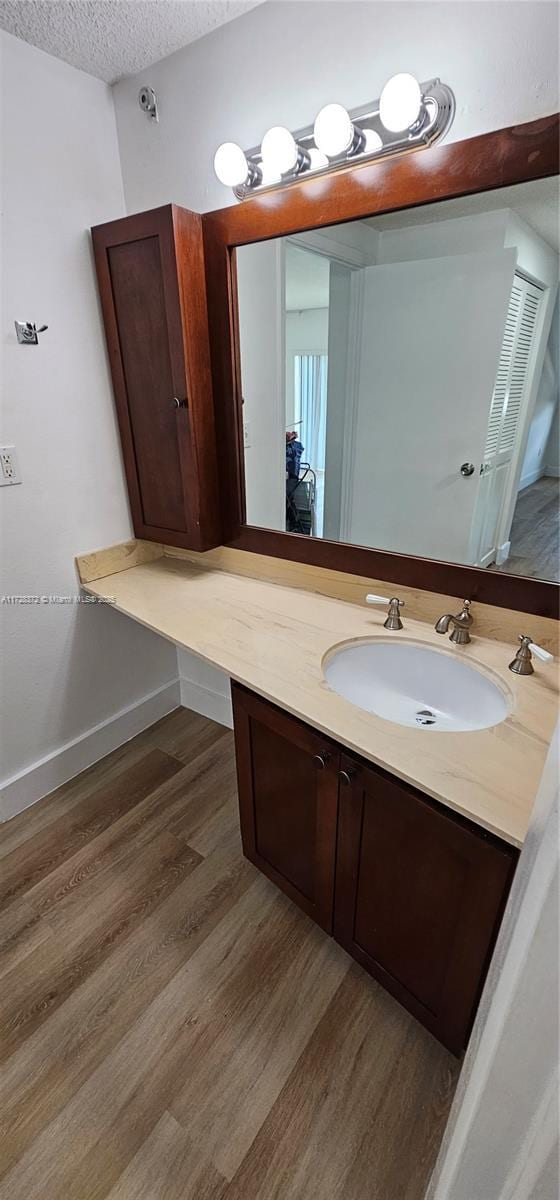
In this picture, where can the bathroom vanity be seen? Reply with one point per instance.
(414, 893)
(399, 841)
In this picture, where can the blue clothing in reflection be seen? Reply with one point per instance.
(294, 451)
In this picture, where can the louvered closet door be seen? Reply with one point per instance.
(507, 413)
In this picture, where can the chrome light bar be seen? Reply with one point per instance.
(365, 130)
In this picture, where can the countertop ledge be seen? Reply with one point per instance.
(273, 639)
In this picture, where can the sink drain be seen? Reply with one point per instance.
(424, 716)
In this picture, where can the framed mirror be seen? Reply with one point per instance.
(388, 383)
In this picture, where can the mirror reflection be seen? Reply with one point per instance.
(400, 381)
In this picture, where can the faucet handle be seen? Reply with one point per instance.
(544, 655)
(522, 664)
(372, 599)
(393, 616)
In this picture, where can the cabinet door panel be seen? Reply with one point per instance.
(288, 802)
(150, 270)
(419, 897)
(137, 284)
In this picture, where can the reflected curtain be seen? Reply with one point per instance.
(311, 399)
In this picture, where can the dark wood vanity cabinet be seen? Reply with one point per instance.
(150, 270)
(288, 799)
(413, 892)
(419, 897)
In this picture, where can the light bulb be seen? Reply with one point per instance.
(269, 174)
(333, 130)
(317, 160)
(230, 164)
(279, 150)
(372, 141)
(400, 103)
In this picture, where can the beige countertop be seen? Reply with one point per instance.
(274, 638)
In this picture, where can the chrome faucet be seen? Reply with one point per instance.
(521, 664)
(393, 620)
(461, 625)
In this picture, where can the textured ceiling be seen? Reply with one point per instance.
(112, 38)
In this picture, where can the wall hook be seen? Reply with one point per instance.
(27, 332)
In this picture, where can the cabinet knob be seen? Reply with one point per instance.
(347, 775)
(179, 403)
(322, 759)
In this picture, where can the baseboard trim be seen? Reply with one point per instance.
(24, 789)
(213, 705)
(532, 477)
(552, 473)
(502, 553)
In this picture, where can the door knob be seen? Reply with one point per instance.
(467, 469)
(347, 775)
(322, 759)
(179, 403)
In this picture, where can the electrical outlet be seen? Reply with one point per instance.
(9, 469)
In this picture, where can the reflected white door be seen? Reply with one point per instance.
(431, 334)
(506, 421)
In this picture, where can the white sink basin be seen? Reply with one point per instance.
(413, 685)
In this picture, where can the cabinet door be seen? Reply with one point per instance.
(150, 270)
(419, 897)
(288, 794)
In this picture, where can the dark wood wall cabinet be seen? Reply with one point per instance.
(150, 270)
(412, 891)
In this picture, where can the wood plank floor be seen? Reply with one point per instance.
(535, 532)
(173, 1028)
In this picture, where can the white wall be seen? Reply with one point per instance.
(281, 62)
(341, 353)
(65, 669)
(260, 285)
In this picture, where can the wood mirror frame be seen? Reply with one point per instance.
(479, 164)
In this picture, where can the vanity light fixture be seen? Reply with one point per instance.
(318, 160)
(408, 116)
(372, 141)
(281, 154)
(230, 164)
(400, 103)
(335, 133)
(232, 167)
